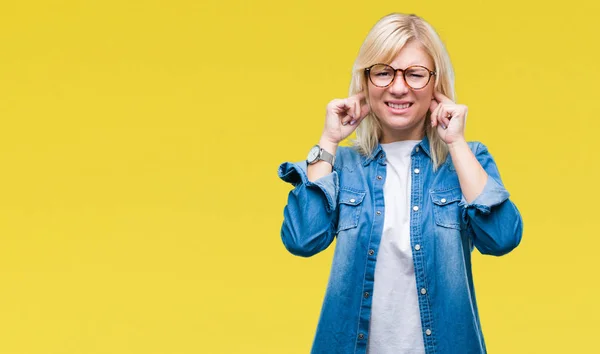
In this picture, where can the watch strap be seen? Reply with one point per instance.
(327, 157)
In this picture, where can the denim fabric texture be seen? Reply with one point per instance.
(348, 205)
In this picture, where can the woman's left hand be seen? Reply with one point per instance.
(449, 118)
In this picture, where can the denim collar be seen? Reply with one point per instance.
(379, 153)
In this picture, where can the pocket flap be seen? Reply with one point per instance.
(350, 197)
(447, 196)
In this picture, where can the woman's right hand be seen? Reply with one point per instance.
(343, 116)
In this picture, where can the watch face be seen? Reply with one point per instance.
(313, 154)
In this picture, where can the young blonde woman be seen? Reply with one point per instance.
(407, 203)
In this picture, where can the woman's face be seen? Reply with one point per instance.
(400, 109)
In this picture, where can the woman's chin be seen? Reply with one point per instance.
(400, 122)
(404, 127)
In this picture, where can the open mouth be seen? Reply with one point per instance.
(399, 106)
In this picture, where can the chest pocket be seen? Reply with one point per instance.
(446, 210)
(349, 207)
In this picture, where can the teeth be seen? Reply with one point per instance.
(398, 106)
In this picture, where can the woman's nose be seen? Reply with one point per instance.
(399, 86)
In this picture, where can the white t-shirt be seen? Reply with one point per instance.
(395, 326)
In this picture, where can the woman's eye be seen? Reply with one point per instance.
(384, 74)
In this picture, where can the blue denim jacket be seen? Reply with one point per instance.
(348, 205)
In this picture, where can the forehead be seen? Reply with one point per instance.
(412, 53)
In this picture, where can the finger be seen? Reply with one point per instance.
(360, 96)
(355, 111)
(442, 116)
(439, 116)
(364, 110)
(345, 111)
(441, 98)
(352, 111)
(444, 119)
(362, 107)
(432, 108)
(433, 105)
(349, 102)
(434, 115)
(346, 119)
(339, 106)
(363, 115)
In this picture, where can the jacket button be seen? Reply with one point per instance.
(378, 212)
(366, 295)
(416, 208)
(443, 200)
(417, 247)
(361, 336)
(379, 177)
(371, 252)
(417, 170)
(428, 332)
(423, 291)
(352, 200)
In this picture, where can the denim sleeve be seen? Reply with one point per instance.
(309, 216)
(492, 219)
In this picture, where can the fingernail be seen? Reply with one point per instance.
(352, 122)
(443, 126)
(344, 123)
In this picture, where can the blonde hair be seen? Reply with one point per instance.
(382, 45)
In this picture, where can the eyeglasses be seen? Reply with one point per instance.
(415, 76)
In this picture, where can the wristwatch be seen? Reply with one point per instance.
(317, 154)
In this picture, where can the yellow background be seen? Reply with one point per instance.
(140, 207)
